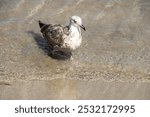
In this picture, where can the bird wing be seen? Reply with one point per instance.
(55, 34)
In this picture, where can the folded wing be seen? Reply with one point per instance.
(54, 34)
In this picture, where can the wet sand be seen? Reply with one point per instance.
(112, 63)
(75, 89)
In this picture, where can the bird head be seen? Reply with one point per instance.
(77, 21)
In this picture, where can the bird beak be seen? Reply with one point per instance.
(83, 27)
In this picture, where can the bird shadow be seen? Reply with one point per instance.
(43, 45)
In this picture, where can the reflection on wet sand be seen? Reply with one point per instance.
(74, 89)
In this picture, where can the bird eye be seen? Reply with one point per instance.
(75, 21)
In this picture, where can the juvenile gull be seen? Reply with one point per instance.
(63, 38)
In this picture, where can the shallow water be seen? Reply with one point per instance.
(115, 46)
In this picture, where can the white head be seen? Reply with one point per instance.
(77, 21)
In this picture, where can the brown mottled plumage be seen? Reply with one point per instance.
(54, 34)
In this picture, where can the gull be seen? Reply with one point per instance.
(63, 38)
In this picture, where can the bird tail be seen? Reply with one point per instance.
(41, 24)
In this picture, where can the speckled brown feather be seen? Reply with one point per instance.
(54, 34)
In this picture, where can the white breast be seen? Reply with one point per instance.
(74, 40)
